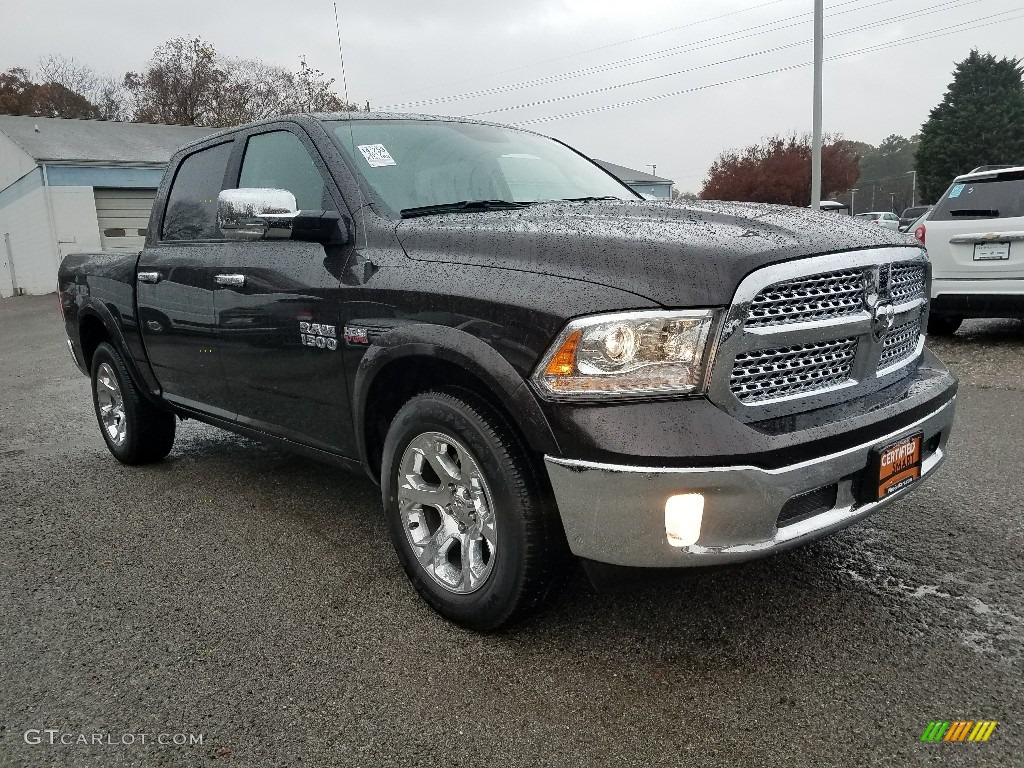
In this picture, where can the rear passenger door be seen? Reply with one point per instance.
(279, 318)
(175, 284)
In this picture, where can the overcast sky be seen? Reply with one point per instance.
(712, 56)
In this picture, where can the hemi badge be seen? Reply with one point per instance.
(356, 335)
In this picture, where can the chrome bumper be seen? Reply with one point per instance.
(616, 514)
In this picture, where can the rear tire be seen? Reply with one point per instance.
(944, 325)
(135, 430)
(469, 511)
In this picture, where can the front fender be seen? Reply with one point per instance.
(465, 350)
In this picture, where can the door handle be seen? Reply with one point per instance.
(149, 277)
(232, 281)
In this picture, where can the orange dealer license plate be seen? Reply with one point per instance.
(897, 465)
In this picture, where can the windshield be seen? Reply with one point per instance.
(994, 198)
(413, 164)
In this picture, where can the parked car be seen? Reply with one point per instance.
(834, 206)
(885, 219)
(975, 239)
(917, 227)
(532, 361)
(910, 215)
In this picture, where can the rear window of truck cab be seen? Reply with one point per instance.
(192, 202)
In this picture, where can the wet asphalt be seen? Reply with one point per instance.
(252, 597)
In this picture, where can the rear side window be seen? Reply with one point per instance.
(192, 202)
(278, 160)
(997, 198)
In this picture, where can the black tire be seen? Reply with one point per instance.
(944, 325)
(148, 431)
(531, 553)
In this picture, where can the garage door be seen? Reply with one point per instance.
(123, 216)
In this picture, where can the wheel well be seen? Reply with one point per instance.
(91, 332)
(399, 381)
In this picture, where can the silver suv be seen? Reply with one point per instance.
(975, 239)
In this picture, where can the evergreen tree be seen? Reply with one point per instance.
(980, 121)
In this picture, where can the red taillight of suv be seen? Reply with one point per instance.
(919, 234)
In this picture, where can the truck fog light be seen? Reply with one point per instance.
(683, 516)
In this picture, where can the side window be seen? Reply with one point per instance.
(278, 160)
(192, 202)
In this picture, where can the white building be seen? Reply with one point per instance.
(75, 185)
(646, 184)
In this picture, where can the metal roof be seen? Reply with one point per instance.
(631, 176)
(57, 140)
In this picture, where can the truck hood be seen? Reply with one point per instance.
(677, 255)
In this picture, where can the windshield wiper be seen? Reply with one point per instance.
(584, 199)
(989, 213)
(462, 205)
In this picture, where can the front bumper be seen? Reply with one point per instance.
(616, 514)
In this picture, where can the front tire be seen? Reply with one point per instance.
(468, 511)
(135, 430)
(944, 325)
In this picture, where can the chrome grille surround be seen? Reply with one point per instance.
(786, 346)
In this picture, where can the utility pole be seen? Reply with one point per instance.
(892, 202)
(872, 198)
(913, 187)
(853, 200)
(816, 140)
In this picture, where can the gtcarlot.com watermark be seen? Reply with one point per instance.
(59, 737)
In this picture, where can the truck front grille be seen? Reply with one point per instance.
(900, 343)
(768, 374)
(907, 282)
(817, 297)
(800, 331)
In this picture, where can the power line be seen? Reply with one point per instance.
(941, 32)
(711, 42)
(942, 7)
(598, 48)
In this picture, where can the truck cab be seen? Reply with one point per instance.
(535, 364)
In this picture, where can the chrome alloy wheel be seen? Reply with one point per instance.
(447, 512)
(111, 404)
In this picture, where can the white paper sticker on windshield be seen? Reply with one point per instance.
(956, 190)
(376, 155)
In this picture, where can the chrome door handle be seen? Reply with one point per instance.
(233, 281)
(149, 277)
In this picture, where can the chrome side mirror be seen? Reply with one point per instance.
(256, 214)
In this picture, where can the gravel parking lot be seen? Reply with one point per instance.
(252, 597)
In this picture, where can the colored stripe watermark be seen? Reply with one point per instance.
(959, 730)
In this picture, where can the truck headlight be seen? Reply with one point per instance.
(630, 354)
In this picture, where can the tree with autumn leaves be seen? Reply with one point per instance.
(187, 82)
(778, 170)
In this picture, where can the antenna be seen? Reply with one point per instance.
(348, 113)
(341, 54)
